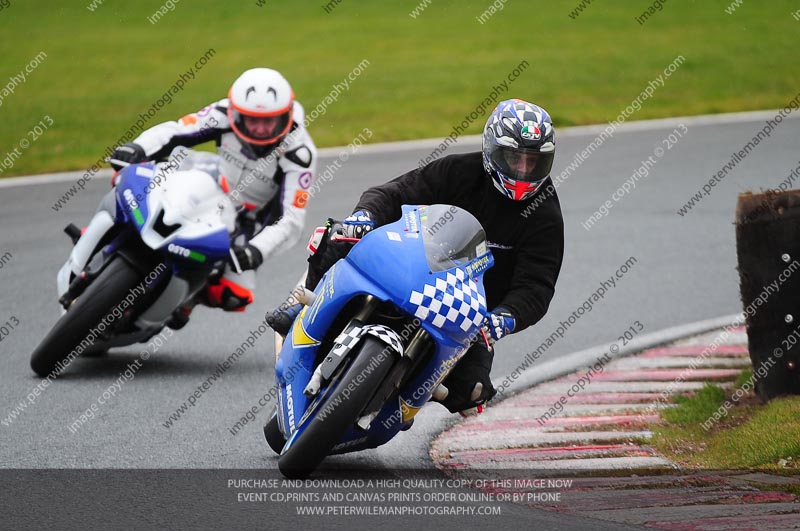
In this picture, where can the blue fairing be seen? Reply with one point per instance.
(400, 267)
(132, 193)
(389, 263)
(215, 246)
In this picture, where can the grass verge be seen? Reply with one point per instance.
(107, 61)
(750, 436)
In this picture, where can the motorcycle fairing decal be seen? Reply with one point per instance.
(343, 344)
(280, 412)
(479, 265)
(454, 298)
(132, 193)
(386, 335)
(290, 406)
(145, 171)
(445, 368)
(300, 337)
(348, 339)
(133, 206)
(212, 247)
(349, 444)
(407, 410)
(328, 287)
(185, 253)
(418, 391)
(411, 222)
(313, 310)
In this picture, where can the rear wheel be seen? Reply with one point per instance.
(342, 408)
(94, 304)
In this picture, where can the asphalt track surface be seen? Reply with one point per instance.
(684, 271)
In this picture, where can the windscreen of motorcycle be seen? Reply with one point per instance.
(193, 196)
(189, 159)
(451, 236)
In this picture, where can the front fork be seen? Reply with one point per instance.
(75, 265)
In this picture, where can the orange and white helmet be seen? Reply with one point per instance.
(260, 110)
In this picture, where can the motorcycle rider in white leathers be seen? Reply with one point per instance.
(268, 163)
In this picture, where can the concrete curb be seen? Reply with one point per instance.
(550, 370)
(592, 456)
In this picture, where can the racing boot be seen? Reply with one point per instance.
(281, 318)
(180, 317)
(475, 397)
(468, 387)
(228, 295)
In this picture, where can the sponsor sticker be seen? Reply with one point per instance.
(304, 180)
(300, 198)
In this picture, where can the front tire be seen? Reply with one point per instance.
(370, 366)
(94, 304)
(273, 435)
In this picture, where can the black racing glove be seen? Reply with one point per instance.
(248, 256)
(127, 154)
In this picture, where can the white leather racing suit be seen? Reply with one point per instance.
(271, 182)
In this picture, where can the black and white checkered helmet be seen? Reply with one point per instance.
(518, 148)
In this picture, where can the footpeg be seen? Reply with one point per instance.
(73, 232)
(179, 318)
(315, 384)
(76, 287)
(440, 393)
(366, 420)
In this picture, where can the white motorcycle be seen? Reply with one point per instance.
(168, 234)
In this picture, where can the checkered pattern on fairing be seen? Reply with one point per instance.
(386, 335)
(454, 298)
(346, 341)
(349, 339)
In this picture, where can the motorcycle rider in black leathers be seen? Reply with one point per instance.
(506, 186)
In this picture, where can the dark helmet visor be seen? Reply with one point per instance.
(261, 128)
(522, 164)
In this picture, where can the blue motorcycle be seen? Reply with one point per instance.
(127, 277)
(381, 331)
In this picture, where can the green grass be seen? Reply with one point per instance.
(695, 409)
(751, 436)
(424, 74)
(743, 377)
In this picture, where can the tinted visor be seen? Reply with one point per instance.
(261, 128)
(522, 164)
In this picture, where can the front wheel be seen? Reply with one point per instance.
(339, 410)
(273, 435)
(73, 329)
